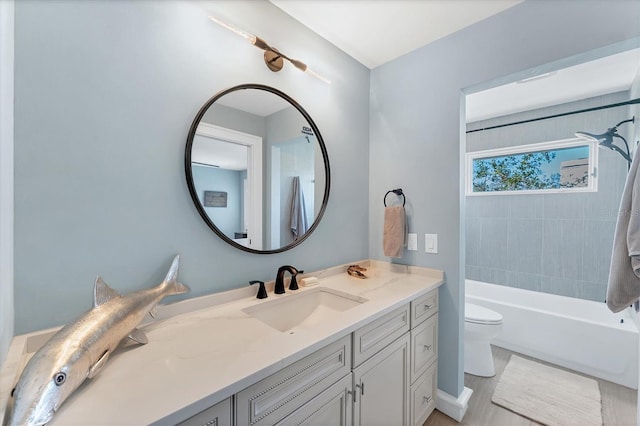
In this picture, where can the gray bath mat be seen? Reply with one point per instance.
(548, 395)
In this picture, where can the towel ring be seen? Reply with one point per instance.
(398, 192)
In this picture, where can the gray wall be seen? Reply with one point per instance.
(416, 125)
(102, 116)
(554, 243)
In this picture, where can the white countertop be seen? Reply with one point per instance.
(206, 349)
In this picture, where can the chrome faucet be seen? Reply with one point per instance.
(293, 285)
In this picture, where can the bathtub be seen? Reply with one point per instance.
(578, 334)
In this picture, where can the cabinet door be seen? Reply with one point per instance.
(277, 396)
(381, 387)
(332, 407)
(218, 415)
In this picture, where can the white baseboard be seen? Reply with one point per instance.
(452, 406)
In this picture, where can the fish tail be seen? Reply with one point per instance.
(171, 279)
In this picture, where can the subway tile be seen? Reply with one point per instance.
(492, 250)
(560, 286)
(492, 206)
(472, 272)
(562, 245)
(596, 252)
(525, 245)
(526, 206)
(524, 280)
(593, 291)
(471, 207)
(499, 276)
(564, 206)
(472, 240)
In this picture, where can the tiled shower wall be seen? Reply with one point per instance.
(554, 243)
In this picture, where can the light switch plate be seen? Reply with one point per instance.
(431, 243)
(412, 241)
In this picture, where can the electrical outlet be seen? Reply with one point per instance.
(431, 243)
(412, 242)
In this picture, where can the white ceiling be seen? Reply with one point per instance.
(377, 31)
(219, 154)
(610, 74)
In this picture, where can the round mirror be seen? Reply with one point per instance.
(257, 169)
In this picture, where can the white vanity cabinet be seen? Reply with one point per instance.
(383, 373)
(424, 355)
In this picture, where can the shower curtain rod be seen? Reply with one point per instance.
(631, 102)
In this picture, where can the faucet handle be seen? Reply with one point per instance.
(293, 284)
(262, 292)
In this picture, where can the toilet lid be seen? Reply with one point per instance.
(481, 315)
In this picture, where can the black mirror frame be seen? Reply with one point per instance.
(191, 184)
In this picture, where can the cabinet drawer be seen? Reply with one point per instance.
(423, 307)
(333, 407)
(277, 396)
(218, 415)
(424, 346)
(371, 338)
(423, 396)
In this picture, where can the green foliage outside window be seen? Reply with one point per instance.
(530, 171)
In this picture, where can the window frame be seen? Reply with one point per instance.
(592, 175)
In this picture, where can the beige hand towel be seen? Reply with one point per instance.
(393, 237)
(623, 287)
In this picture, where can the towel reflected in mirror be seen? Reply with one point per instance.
(298, 214)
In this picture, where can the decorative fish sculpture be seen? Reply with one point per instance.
(81, 349)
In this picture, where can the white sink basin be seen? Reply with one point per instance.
(298, 311)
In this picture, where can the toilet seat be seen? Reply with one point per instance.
(480, 315)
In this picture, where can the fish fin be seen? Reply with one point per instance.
(138, 335)
(179, 288)
(171, 279)
(102, 293)
(172, 275)
(95, 368)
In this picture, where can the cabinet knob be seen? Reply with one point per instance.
(426, 399)
(427, 307)
(427, 347)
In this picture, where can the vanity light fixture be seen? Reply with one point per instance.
(273, 58)
(605, 140)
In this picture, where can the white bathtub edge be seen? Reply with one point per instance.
(518, 335)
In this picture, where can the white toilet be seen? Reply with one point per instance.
(481, 325)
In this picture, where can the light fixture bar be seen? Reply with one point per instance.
(318, 76)
(252, 39)
(272, 56)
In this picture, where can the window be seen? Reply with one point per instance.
(558, 166)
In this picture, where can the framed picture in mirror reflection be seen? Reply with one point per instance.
(215, 199)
